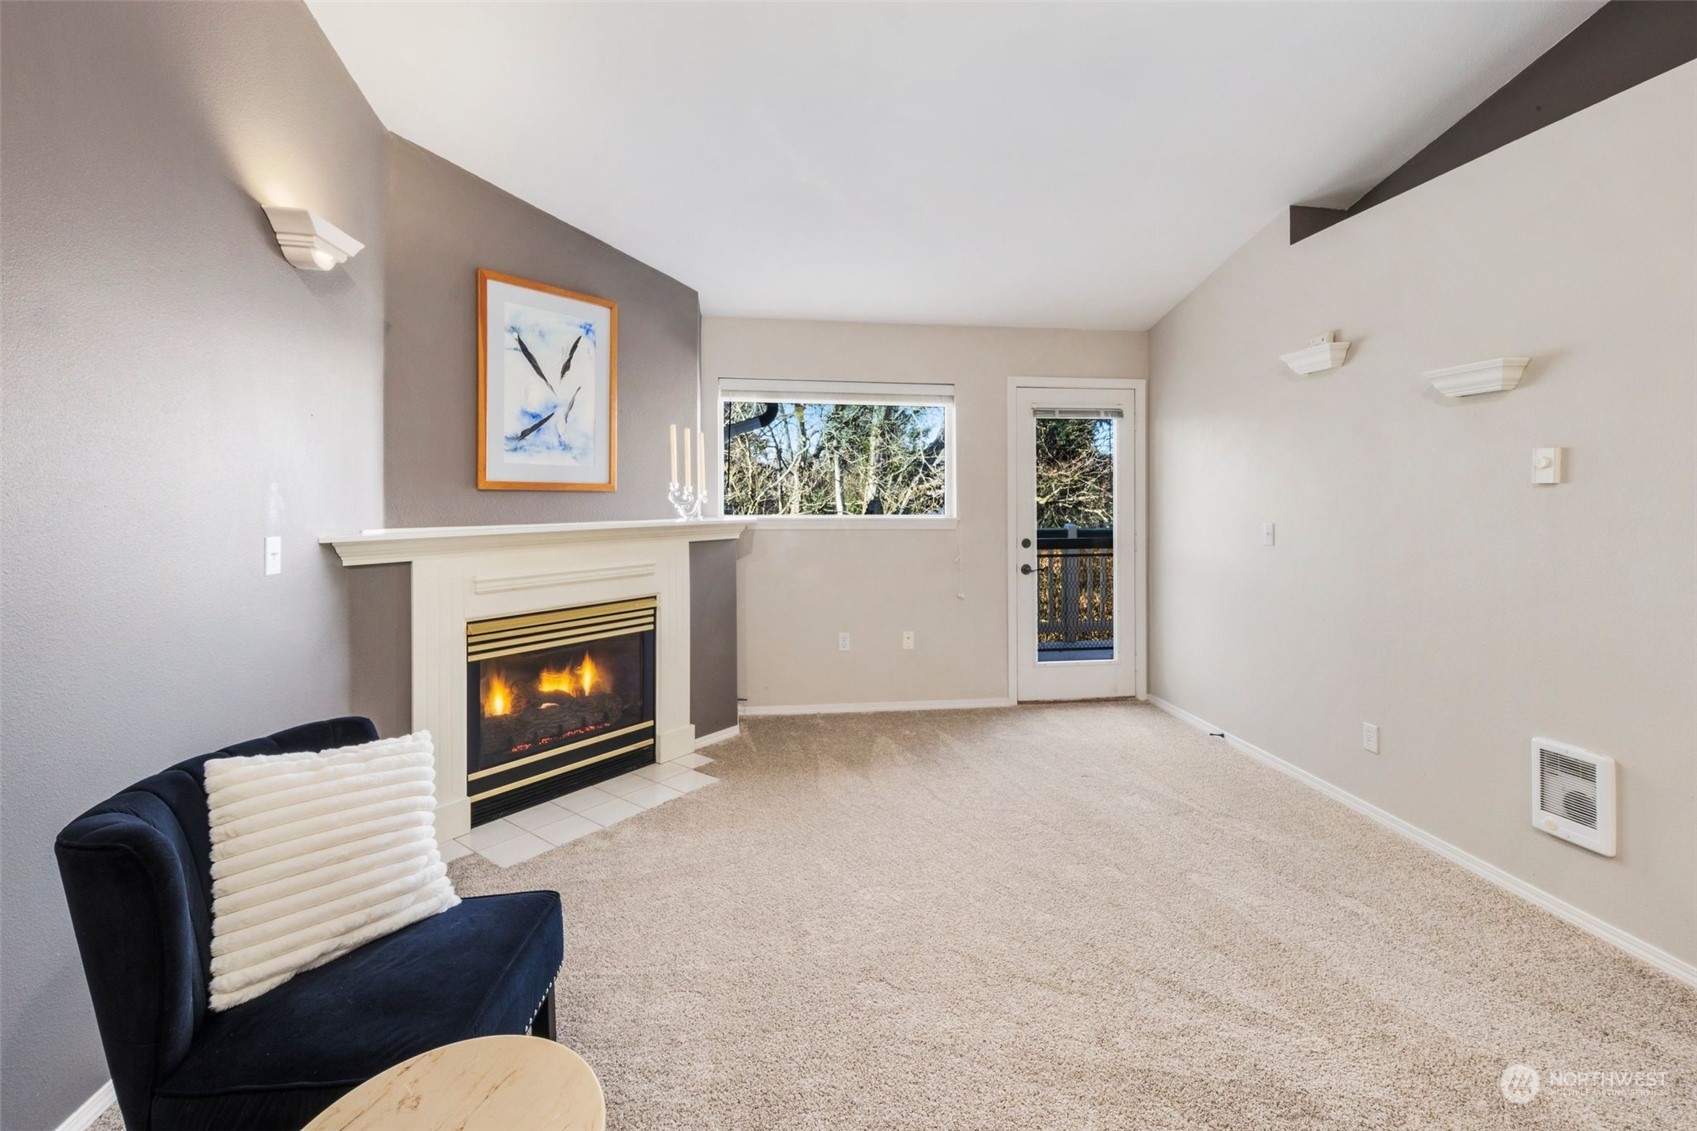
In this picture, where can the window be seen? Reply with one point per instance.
(867, 453)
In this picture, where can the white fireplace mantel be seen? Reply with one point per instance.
(466, 573)
(409, 543)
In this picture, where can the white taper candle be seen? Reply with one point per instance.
(674, 428)
(686, 457)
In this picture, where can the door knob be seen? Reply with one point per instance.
(1026, 568)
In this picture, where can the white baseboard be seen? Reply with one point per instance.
(717, 736)
(92, 1108)
(875, 708)
(1648, 953)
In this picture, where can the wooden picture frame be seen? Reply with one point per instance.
(541, 350)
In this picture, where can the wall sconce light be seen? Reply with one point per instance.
(1498, 375)
(311, 242)
(1323, 352)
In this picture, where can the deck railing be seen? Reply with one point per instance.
(1075, 588)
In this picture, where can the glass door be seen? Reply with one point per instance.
(1072, 580)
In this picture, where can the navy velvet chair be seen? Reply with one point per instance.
(137, 875)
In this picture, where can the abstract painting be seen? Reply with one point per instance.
(547, 399)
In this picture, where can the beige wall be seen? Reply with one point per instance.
(797, 589)
(1419, 581)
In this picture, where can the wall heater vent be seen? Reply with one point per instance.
(1573, 795)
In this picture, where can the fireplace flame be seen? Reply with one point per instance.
(585, 679)
(561, 680)
(497, 697)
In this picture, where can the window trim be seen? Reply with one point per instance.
(847, 392)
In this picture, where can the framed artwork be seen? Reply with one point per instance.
(547, 387)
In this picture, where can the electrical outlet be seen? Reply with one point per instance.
(273, 555)
(842, 642)
(907, 641)
(1370, 737)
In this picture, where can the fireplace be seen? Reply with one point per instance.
(556, 701)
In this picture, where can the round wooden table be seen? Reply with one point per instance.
(485, 1084)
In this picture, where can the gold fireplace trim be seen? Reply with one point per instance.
(554, 750)
(544, 776)
(508, 636)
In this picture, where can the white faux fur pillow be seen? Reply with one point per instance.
(316, 854)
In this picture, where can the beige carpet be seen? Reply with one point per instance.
(1083, 916)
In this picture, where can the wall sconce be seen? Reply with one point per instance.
(1323, 352)
(310, 242)
(1498, 375)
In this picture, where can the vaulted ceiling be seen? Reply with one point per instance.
(1023, 165)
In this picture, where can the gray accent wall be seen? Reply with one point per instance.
(380, 598)
(164, 368)
(712, 636)
(443, 225)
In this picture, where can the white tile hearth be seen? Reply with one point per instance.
(531, 832)
(515, 849)
(567, 830)
(586, 798)
(661, 771)
(625, 784)
(689, 781)
(536, 816)
(612, 812)
(690, 761)
(650, 795)
(485, 837)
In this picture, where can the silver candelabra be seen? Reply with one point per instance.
(686, 500)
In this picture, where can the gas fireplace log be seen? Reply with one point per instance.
(503, 733)
(572, 712)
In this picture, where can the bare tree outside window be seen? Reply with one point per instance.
(794, 458)
(1075, 473)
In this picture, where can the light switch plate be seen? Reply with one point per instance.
(1266, 534)
(273, 555)
(1370, 737)
(1546, 465)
